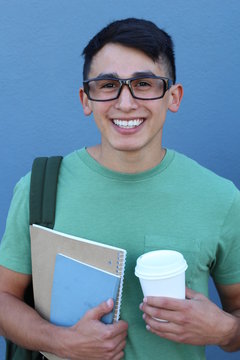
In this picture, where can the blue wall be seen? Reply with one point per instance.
(40, 74)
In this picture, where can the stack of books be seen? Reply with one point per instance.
(72, 275)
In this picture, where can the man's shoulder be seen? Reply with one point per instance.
(73, 157)
(202, 176)
(23, 184)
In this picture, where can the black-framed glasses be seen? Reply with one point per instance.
(149, 87)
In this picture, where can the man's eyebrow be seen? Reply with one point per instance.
(116, 76)
(107, 75)
(143, 73)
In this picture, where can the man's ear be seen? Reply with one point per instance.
(176, 94)
(85, 102)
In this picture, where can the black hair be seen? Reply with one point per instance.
(140, 34)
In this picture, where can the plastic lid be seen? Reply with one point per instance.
(160, 264)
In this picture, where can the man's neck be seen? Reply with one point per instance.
(127, 161)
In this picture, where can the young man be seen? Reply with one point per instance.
(130, 192)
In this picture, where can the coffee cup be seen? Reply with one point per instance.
(162, 273)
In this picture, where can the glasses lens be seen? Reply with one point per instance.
(103, 89)
(148, 88)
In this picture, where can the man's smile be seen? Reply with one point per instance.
(128, 124)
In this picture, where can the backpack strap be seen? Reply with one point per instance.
(43, 190)
(43, 193)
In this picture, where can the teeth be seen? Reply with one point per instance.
(128, 124)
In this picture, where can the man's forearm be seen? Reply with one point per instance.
(89, 338)
(233, 341)
(23, 325)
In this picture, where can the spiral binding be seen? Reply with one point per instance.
(120, 267)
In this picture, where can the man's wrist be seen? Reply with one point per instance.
(53, 340)
(231, 339)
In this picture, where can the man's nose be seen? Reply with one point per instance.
(126, 101)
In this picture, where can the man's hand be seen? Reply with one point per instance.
(88, 339)
(195, 320)
(91, 339)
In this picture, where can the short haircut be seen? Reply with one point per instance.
(140, 34)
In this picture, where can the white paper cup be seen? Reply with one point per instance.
(162, 273)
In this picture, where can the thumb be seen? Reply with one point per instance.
(97, 312)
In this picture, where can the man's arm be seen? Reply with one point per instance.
(89, 338)
(230, 299)
(196, 320)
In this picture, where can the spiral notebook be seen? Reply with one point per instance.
(77, 288)
(47, 243)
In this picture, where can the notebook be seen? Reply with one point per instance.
(47, 243)
(77, 288)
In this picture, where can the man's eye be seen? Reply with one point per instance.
(108, 85)
(143, 84)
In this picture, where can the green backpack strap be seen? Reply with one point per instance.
(43, 190)
(15, 352)
(43, 194)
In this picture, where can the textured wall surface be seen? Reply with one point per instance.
(41, 72)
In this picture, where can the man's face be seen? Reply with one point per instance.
(145, 118)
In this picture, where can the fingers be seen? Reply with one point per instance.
(118, 349)
(173, 326)
(171, 335)
(115, 340)
(94, 339)
(116, 331)
(174, 315)
(168, 309)
(119, 356)
(172, 303)
(112, 348)
(163, 302)
(121, 327)
(99, 311)
(186, 320)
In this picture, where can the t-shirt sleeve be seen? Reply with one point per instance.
(226, 270)
(15, 251)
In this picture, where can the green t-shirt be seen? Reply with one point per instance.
(176, 205)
